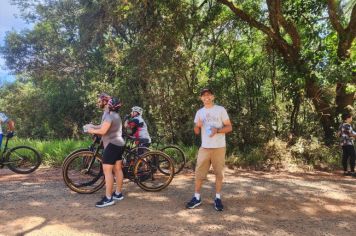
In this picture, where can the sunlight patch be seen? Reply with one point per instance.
(211, 227)
(35, 203)
(157, 198)
(63, 229)
(20, 225)
(309, 210)
(192, 215)
(75, 204)
(250, 209)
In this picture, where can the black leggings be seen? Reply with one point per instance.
(143, 150)
(348, 151)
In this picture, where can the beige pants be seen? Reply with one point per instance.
(207, 157)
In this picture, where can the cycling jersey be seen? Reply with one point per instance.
(3, 119)
(139, 128)
(346, 132)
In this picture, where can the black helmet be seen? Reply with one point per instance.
(114, 104)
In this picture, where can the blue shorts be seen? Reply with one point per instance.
(1, 135)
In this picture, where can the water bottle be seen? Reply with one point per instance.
(208, 130)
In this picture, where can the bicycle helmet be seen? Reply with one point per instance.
(114, 104)
(137, 109)
(104, 97)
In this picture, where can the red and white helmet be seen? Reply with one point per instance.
(104, 97)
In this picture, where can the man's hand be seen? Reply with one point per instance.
(213, 131)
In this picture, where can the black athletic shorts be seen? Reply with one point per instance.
(112, 153)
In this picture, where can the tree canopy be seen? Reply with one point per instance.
(279, 67)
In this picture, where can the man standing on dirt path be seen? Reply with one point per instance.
(213, 122)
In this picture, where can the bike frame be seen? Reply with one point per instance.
(128, 152)
(3, 152)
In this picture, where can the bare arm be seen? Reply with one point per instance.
(101, 130)
(94, 126)
(198, 126)
(10, 126)
(227, 128)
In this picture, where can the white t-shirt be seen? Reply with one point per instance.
(3, 119)
(212, 118)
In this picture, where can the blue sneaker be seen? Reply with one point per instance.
(104, 202)
(218, 204)
(193, 203)
(117, 196)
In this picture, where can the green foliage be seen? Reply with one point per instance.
(305, 154)
(312, 152)
(159, 54)
(53, 152)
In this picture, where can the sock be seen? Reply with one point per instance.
(109, 197)
(218, 195)
(117, 193)
(197, 196)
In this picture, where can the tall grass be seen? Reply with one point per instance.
(275, 154)
(53, 152)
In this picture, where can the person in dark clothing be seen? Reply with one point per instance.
(347, 135)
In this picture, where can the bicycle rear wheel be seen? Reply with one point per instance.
(177, 156)
(146, 172)
(23, 159)
(83, 172)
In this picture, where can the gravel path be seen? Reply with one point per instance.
(257, 203)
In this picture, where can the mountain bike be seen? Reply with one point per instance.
(20, 159)
(82, 169)
(174, 152)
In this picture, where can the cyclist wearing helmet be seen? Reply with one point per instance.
(10, 126)
(110, 130)
(138, 127)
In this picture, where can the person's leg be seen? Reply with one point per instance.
(197, 185)
(109, 179)
(142, 147)
(218, 163)
(344, 158)
(119, 176)
(202, 168)
(352, 156)
(109, 159)
(201, 171)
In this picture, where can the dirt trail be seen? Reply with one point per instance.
(257, 203)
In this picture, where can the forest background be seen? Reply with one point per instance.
(284, 70)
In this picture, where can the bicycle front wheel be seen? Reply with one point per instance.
(147, 174)
(177, 156)
(72, 153)
(83, 172)
(23, 159)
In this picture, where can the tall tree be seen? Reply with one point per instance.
(288, 42)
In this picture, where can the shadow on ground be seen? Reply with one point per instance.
(257, 203)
